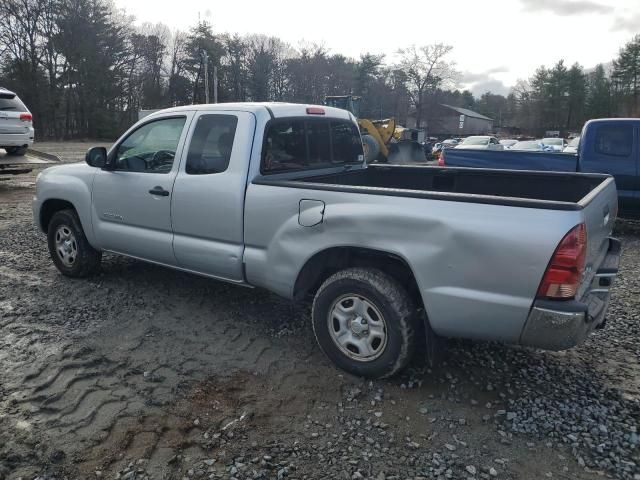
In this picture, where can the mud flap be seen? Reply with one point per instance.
(434, 345)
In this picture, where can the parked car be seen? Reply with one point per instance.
(481, 142)
(449, 143)
(279, 196)
(608, 146)
(428, 146)
(508, 142)
(531, 146)
(16, 124)
(572, 147)
(557, 144)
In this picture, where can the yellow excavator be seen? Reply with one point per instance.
(383, 140)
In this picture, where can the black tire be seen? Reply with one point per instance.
(371, 148)
(393, 303)
(86, 259)
(16, 151)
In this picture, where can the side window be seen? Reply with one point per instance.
(285, 147)
(211, 144)
(615, 140)
(151, 148)
(347, 146)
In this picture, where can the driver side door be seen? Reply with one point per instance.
(131, 204)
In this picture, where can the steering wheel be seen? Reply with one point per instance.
(158, 158)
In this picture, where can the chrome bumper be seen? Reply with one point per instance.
(558, 325)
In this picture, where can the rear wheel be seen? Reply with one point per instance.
(69, 248)
(365, 322)
(17, 151)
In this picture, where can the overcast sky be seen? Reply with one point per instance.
(495, 42)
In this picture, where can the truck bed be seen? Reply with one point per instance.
(552, 190)
(512, 160)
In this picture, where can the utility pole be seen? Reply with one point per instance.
(205, 60)
(215, 84)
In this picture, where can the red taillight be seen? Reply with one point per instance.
(26, 117)
(564, 273)
(315, 111)
(441, 158)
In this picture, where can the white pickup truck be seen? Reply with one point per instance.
(278, 196)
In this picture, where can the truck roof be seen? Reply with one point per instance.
(606, 120)
(6, 91)
(274, 109)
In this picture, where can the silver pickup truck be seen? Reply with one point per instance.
(278, 196)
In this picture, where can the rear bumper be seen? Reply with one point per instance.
(558, 325)
(17, 139)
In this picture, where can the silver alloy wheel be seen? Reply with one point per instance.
(66, 245)
(357, 327)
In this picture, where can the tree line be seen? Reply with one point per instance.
(85, 70)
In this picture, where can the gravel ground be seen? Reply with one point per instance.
(143, 372)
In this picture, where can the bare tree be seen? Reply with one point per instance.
(425, 70)
(178, 84)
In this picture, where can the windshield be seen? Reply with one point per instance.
(552, 141)
(529, 145)
(476, 141)
(575, 142)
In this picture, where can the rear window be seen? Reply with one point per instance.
(615, 140)
(347, 146)
(11, 103)
(304, 144)
(319, 143)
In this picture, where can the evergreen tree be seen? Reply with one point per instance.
(598, 101)
(626, 78)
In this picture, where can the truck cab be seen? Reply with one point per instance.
(613, 146)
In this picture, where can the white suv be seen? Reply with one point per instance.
(16, 124)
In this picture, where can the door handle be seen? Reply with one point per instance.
(158, 190)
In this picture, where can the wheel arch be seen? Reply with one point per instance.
(326, 262)
(50, 207)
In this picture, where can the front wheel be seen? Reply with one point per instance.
(365, 322)
(69, 248)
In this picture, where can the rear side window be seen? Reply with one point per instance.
(301, 144)
(615, 140)
(11, 103)
(211, 144)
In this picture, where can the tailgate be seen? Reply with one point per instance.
(10, 124)
(600, 208)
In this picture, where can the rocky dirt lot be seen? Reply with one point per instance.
(143, 372)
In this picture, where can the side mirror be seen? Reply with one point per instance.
(96, 157)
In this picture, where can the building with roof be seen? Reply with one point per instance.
(449, 121)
